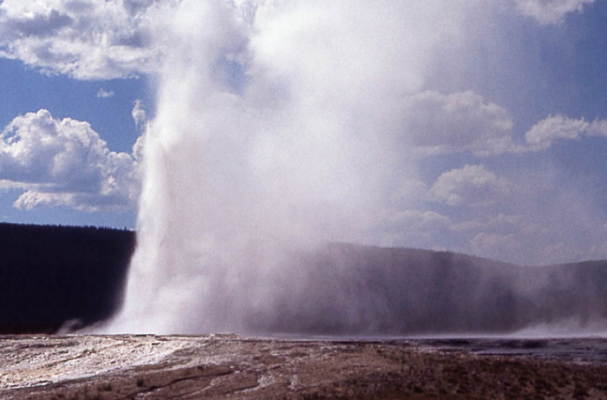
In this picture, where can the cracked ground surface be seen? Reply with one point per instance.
(229, 367)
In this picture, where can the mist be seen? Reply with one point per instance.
(276, 130)
(279, 127)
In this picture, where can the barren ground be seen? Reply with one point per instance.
(230, 367)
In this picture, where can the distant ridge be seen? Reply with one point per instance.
(376, 290)
(53, 274)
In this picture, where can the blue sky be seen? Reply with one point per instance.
(24, 89)
(506, 129)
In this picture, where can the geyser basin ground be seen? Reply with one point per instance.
(231, 367)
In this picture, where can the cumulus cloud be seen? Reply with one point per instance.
(439, 123)
(85, 39)
(465, 121)
(523, 216)
(65, 162)
(471, 185)
(550, 11)
(544, 133)
(530, 218)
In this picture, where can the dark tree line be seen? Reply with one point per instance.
(52, 274)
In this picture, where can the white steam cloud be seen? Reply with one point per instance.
(279, 126)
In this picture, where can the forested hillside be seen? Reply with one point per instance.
(353, 289)
(52, 274)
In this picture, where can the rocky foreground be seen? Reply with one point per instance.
(230, 367)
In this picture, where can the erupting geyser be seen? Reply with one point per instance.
(278, 128)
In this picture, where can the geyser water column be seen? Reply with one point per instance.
(277, 129)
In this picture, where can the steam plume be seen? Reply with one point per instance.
(278, 127)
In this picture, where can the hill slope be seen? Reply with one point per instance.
(49, 275)
(357, 289)
(52, 274)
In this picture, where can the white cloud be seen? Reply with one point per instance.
(65, 162)
(457, 122)
(139, 115)
(542, 134)
(104, 94)
(439, 123)
(536, 243)
(518, 238)
(85, 39)
(538, 220)
(141, 121)
(471, 185)
(550, 11)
